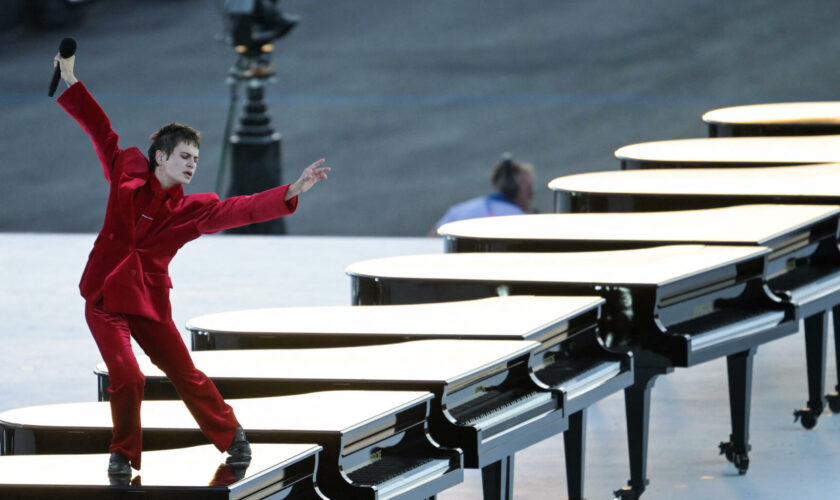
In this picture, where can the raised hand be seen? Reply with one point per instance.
(66, 66)
(308, 178)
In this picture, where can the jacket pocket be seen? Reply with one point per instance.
(157, 279)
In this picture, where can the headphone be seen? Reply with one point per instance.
(506, 180)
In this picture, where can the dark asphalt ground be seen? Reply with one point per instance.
(410, 102)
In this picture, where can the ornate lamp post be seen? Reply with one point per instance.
(255, 147)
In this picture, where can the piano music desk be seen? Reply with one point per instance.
(641, 287)
(188, 473)
(775, 119)
(581, 375)
(366, 436)
(487, 401)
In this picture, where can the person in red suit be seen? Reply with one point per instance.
(126, 281)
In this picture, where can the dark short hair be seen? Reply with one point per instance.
(168, 137)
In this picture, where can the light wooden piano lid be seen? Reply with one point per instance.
(744, 223)
(194, 466)
(806, 113)
(330, 411)
(648, 266)
(807, 180)
(436, 361)
(746, 150)
(505, 316)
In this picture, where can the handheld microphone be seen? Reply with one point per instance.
(66, 49)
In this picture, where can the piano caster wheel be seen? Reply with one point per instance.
(625, 493)
(740, 460)
(834, 402)
(807, 417)
(630, 492)
(742, 463)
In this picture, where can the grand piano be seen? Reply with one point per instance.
(276, 470)
(487, 401)
(671, 306)
(803, 269)
(374, 444)
(810, 280)
(570, 359)
(775, 119)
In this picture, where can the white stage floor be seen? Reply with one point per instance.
(47, 356)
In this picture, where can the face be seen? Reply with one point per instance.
(177, 168)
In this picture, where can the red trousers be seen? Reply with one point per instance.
(163, 344)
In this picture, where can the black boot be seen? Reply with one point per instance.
(239, 449)
(118, 466)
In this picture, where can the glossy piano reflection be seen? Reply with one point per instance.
(571, 360)
(284, 470)
(671, 306)
(375, 443)
(495, 318)
(487, 401)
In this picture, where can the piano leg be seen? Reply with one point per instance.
(497, 479)
(834, 398)
(816, 328)
(574, 441)
(637, 409)
(740, 369)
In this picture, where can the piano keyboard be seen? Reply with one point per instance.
(579, 376)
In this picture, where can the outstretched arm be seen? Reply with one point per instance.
(259, 207)
(83, 108)
(308, 178)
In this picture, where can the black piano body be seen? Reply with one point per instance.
(276, 471)
(775, 119)
(374, 444)
(715, 306)
(570, 358)
(487, 402)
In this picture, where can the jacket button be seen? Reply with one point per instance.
(111, 236)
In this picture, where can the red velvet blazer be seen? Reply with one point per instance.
(129, 265)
